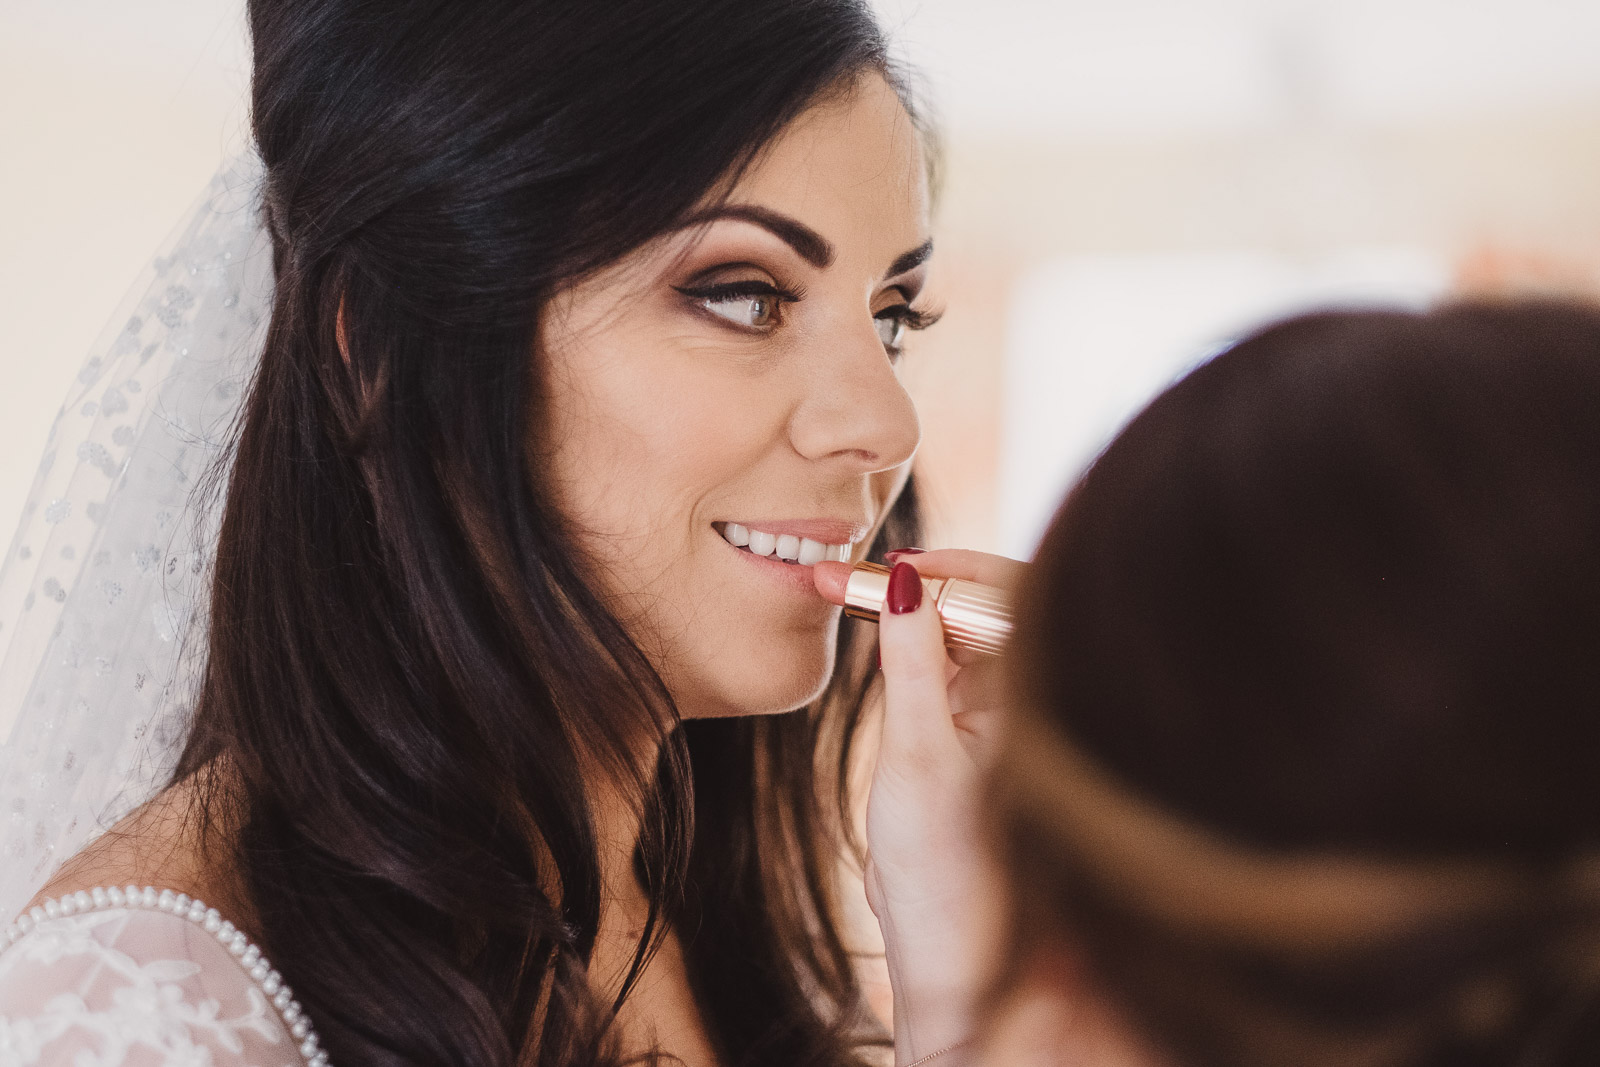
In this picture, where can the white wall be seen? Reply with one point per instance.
(1092, 338)
(1070, 69)
(113, 114)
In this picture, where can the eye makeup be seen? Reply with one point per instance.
(894, 322)
(766, 301)
(758, 305)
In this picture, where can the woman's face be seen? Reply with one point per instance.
(736, 382)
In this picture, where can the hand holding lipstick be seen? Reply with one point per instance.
(928, 881)
(974, 615)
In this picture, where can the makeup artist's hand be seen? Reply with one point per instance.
(928, 878)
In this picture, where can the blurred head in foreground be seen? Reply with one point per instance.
(1306, 765)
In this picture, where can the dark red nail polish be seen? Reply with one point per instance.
(897, 553)
(905, 589)
(880, 660)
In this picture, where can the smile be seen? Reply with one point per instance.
(787, 547)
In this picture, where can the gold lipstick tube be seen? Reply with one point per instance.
(974, 616)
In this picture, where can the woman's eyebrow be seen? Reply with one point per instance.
(808, 243)
(912, 259)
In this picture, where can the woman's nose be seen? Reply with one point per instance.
(855, 410)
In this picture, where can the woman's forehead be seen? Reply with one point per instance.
(851, 167)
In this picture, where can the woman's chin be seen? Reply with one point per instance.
(760, 685)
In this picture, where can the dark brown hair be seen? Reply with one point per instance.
(409, 678)
(1328, 613)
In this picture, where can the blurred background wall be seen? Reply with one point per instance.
(1128, 185)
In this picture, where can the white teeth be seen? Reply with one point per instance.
(762, 543)
(794, 549)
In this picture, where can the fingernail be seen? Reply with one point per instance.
(897, 553)
(880, 659)
(905, 589)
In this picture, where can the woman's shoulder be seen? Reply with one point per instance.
(131, 975)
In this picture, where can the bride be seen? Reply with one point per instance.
(519, 734)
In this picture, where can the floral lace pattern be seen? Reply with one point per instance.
(136, 978)
(104, 590)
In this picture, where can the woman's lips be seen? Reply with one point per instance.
(830, 579)
(803, 542)
(789, 551)
(792, 576)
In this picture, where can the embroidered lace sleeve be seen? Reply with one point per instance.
(130, 978)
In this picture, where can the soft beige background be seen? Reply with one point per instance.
(113, 115)
(1128, 183)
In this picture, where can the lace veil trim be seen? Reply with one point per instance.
(102, 592)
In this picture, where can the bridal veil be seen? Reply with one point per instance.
(103, 590)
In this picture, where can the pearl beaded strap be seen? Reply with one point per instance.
(935, 1055)
(249, 956)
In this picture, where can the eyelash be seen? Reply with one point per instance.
(910, 318)
(745, 290)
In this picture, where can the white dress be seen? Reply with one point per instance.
(131, 977)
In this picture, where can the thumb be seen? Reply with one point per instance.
(918, 733)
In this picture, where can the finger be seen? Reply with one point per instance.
(916, 722)
(982, 567)
(976, 688)
(985, 723)
(967, 657)
(979, 733)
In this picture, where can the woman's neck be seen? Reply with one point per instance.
(660, 1011)
(616, 809)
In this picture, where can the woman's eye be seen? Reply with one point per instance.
(891, 329)
(893, 322)
(751, 305)
(752, 312)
